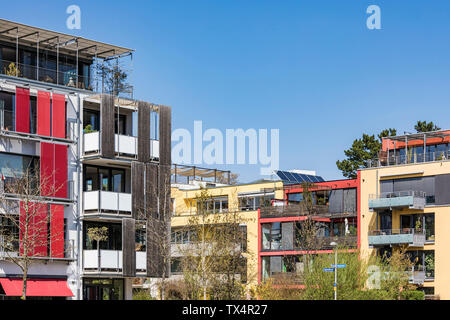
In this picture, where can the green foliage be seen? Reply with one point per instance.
(412, 295)
(142, 294)
(361, 150)
(12, 70)
(88, 129)
(423, 126)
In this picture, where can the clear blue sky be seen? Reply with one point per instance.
(309, 68)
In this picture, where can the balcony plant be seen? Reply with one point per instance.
(429, 265)
(12, 70)
(88, 129)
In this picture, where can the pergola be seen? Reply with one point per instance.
(192, 172)
(422, 136)
(73, 45)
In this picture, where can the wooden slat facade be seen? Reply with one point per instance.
(128, 247)
(165, 129)
(144, 109)
(107, 126)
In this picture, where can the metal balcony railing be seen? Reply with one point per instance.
(408, 159)
(408, 198)
(11, 248)
(410, 236)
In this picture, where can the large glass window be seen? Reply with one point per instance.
(215, 205)
(7, 111)
(254, 202)
(105, 179)
(13, 167)
(103, 289)
(419, 223)
(91, 120)
(114, 236)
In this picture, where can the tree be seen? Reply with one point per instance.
(114, 78)
(157, 228)
(24, 220)
(361, 151)
(213, 262)
(222, 178)
(423, 126)
(98, 234)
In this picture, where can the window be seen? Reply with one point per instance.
(419, 223)
(105, 179)
(33, 114)
(7, 111)
(14, 166)
(254, 202)
(114, 241)
(91, 118)
(271, 236)
(141, 237)
(214, 205)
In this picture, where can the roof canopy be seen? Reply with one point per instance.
(420, 136)
(84, 46)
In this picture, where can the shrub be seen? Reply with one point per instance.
(413, 295)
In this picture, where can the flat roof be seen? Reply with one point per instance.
(420, 136)
(87, 47)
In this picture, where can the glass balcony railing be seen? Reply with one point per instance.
(408, 159)
(106, 201)
(408, 236)
(409, 198)
(64, 78)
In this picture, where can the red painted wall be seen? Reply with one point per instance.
(47, 167)
(60, 171)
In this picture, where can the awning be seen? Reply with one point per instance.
(36, 287)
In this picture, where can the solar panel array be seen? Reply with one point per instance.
(292, 177)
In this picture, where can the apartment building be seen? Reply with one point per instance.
(405, 201)
(107, 158)
(242, 199)
(281, 251)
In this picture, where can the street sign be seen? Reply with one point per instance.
(338, 265)
(328, 269)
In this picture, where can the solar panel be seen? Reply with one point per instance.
(297, 178)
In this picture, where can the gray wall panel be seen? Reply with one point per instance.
(287, 235)
(442, 189)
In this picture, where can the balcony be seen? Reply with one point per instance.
(407, 236)
(291, 211)
(399, 199)
(106, 202)
(110, 260)
(124, 145)
(412, 158)
(9, 249)
(417, 275)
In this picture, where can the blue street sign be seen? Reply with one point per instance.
(338, 265)
(328, 269)
(334, 284)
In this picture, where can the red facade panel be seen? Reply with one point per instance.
(59, 116)
(60, 171)
(22, 110)
(43, 113)
(47, 169)
(57, 231)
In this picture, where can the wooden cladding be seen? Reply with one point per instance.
(165, 129)
(128, 247)
(144, 109)
(107, 126)
(157, 265)
(137, 190)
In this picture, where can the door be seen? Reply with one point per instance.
(386, 221)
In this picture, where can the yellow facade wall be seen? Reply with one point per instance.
(370, 184)
(185, 207)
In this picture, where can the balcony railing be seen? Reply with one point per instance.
(409, 198)
(292, 210)
(110, 260)
(107, 202)
(408, 159)
(409, 236)
(318, 243)
(10, 249)
(126, 146)
(64, 78)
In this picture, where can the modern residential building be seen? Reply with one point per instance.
(106, 156)
(405, 201)
(281, 250)
(242, 199)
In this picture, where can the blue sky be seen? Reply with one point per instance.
(309, 68)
